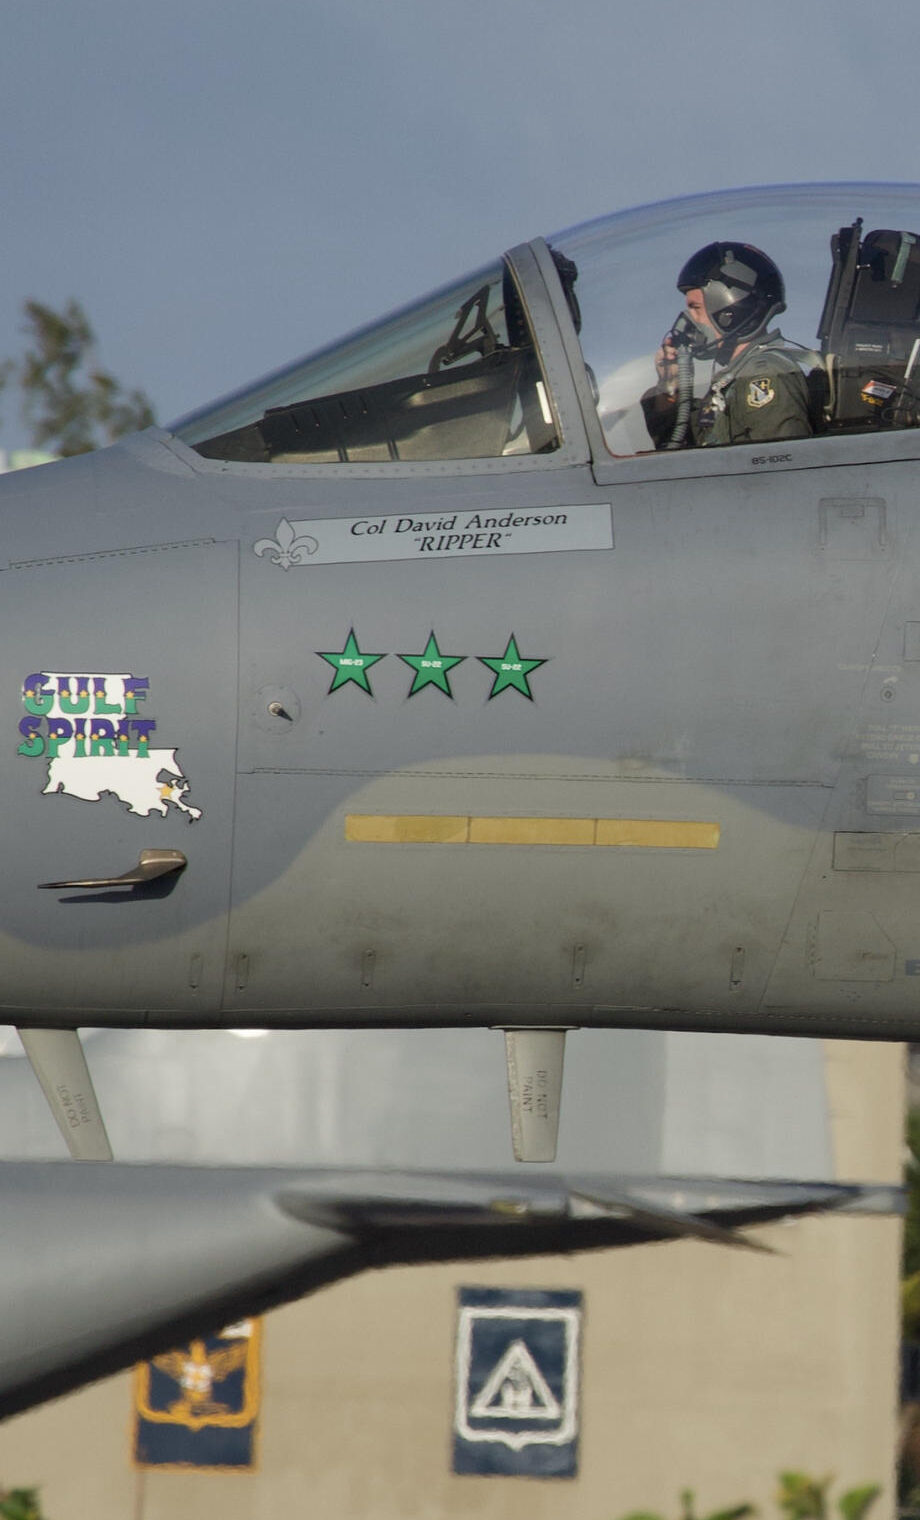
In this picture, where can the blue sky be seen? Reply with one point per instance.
(226, 185)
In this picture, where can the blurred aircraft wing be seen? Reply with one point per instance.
(104, 1264)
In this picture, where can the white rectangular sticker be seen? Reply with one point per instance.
(432, 535)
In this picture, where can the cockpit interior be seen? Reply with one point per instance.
(460, 375)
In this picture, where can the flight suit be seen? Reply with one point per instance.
(757, 398)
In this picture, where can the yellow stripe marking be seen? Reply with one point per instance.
(631, 833)
(658, 833)
(532, 830)
(410, 828)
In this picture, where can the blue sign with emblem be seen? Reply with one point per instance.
(517, 1382)
(197, 1406)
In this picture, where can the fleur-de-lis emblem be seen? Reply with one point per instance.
(289, 548)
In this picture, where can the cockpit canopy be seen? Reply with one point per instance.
(459, 375)
(454, 377)
(850, 260)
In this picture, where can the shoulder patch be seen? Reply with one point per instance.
(760, 391)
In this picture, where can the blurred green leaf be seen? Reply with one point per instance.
(802, 1497)
(856, 1502)
(21, 1504)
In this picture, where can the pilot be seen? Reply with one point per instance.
(757, 391)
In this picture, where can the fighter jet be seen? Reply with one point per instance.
(425, 683)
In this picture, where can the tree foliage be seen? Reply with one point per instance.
(912, 1179)
(69, 403)
(910, 1285)
(799, 1497)
(802, 1497)
(20, 1504)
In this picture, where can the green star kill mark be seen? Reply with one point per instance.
(511, 671)
(431, 667)
(350, 665)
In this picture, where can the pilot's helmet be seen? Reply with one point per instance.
(741, 286)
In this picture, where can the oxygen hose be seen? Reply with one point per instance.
(684, 399)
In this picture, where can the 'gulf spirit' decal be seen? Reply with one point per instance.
(94, 738)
